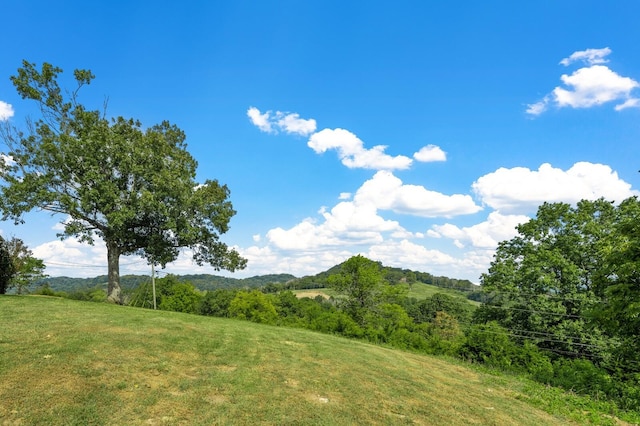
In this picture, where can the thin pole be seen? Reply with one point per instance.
(153, 283)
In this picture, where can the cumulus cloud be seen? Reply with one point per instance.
(261, 121)
(487, 234)
(592, 86)
(387, 192)
(345, 224)
(406, 254)
(6, 111)
(272, 122)
(430, 153)
(589, 56)
(522, 189)
(589, 86)
(352, 152)
(358, 222)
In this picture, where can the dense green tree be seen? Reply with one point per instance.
(360, 281)
(18, 267)
(253, 306)
(544, 283)
(131, 186)
(216, 303)
(425, 310)
(27, 269)
(619, 311)
(181, 297)
(7, 269)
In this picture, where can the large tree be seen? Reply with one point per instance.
(112, 179)
(360, 281)
(619, 311)
(544, 284)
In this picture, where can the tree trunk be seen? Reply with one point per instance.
(114, 293)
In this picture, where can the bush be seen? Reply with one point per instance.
(181, 297)
(216, 303)
(336, 322)
(581, 376)
(253, 306)
(489, 344)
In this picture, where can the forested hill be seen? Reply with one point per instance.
(200, 281)
(271, 281)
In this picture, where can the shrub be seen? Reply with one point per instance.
(181, 297)
(216, 303)
(253, 306)
(489, 344)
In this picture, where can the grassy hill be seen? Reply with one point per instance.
(69, 362)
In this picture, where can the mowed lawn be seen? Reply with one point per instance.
(68, 362)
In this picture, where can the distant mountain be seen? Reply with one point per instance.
(271, 282)
(200, 281)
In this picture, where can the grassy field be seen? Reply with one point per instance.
(68, 362)
(418, 290)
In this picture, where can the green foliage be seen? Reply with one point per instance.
(216, 303)
(489, 344)
(131, 186)
(544, 283)
(27, 269)
(46, 290)
(96, 294)
(360, 281)
(7, 268)
(18, 267)
(181, 297)
(172, 294)
(426, 310)
(253, 306)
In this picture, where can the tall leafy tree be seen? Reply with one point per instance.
(544, 283)
(360, 281)
(132, 187)
(26, 267)
(619, 311)
(7, 269)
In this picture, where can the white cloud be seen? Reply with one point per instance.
(488, 234)
(352, 153)
(344, 196)
(539, 107)
(346, 224)
(292, 123)
(261, 121)
(592, 86)
(387, 192)
(6, 111)
(406, 254)
(589, 86)
(430, 153)
(521, 189)
(629, 103)
(589, 56)
(287, 122)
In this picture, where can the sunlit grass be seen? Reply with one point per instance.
(68, 362)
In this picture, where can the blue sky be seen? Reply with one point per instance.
(415, 133)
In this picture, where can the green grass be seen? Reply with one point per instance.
(422, 291)
(418, 290)
(68, 362)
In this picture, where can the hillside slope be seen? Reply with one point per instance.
(68, 362)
